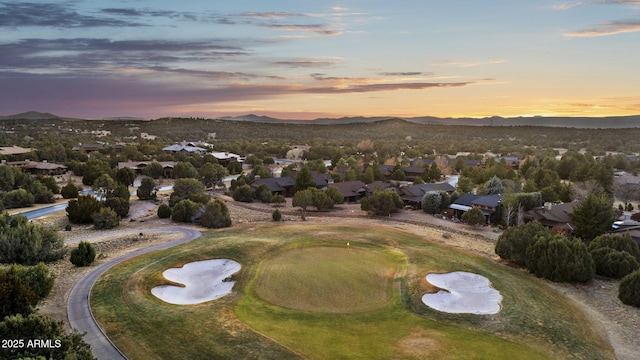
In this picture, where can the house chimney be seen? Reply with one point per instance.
(257, 177)
(548, 206)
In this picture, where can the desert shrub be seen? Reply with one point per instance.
(38, 277)
(69, 191)
(27, 243)
(243, 193)
(119, 205)
(216, 215)
(474, 217)
(613, 263)
(184, 211)
(41, 193)
(147, 189)
(616, 242)
(320, 199)
(276, 215)
(185, 188)
(263, 194)
(431, 201)
(382, 203)
(105, 218)
(629, 290)
(278, 200)
(83, 255)
(17, 199)
(164, 211)
(513, 243)
(334, 194)
(556, 258)
(16, 297)
(80, 210)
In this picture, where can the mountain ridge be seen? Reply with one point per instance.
(584, 122)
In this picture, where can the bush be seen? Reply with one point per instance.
(28, 243)
(382, 203)
(264, 194)
(105, 218)
(243, 193)
(83, 255)
(431, 202)
(616, 242)
(276, 215)
(334, 194)
(629, 291)
(556, 258)
(80, 210)
(17, 199)
(475, 216)
(119, 205)
(164, 211)
(278, 200)
(41, 193)
(513, 243)
(184, 211)
(38, 277)
(216, 215)
(320, 199)
(69, 191)
(147, 189)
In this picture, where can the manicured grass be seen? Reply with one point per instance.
(327, 279)
(384, 319)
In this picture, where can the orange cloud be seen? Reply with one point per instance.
(606, 29)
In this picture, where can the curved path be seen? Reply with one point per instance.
(79, 311)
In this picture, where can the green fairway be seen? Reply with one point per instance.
(303, 293)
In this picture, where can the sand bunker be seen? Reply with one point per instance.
(467, 293)
(203, 281)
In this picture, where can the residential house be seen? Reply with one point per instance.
(38, 167)
(284, 186)
(412, 195)
(138, 166)
(553, 215)
(489, 204)
(352, 191)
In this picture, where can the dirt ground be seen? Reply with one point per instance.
(620, 323)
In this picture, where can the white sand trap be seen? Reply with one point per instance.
(467, 293)
(203, 281)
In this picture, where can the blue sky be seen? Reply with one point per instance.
(310, 59)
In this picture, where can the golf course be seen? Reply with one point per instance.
(320, 291)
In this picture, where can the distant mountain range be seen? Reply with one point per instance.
(609, 122)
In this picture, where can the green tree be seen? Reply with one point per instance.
(83, 255)
(185, 188)
(592, 217)
(37, 277)
(243, 193)
(69, 191)
(321, 200)
(50, 183)
(431, 201)
(154, 170)
(16, 296)
(216, 215)
(556, 258)
(398, 175)
(263, 194)
(474, 217)
(164, 211)
(302, 199)
(36, 326)
(184, 170)
(212, 174)
(382, 203)
(494, 186)
(304, 179)
(17, 198)
(184, 211)
(334, 194)
(629, 290)
(276, 215)
(105, 218)
(125, 176)
(41, 193)
(80, 210)
(434, 172)
(7, 179)
(513, 243)
(148, 189)
(28, 243)
(368, 176)
(119, 205)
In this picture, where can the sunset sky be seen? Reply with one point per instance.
(305, 59)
